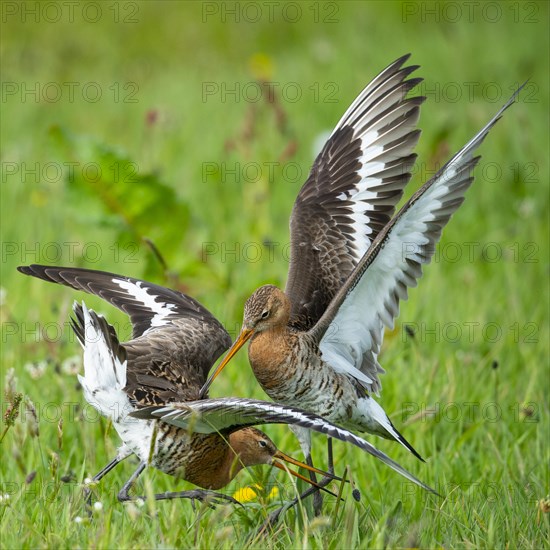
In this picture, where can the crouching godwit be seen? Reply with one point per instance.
(316, 345)
(149, 388)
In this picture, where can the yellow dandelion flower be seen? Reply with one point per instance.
(245, 494)
(250, 493)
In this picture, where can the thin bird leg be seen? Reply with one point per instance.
(355, 493)
(317, 496)
(123, 495)
(103, 472)
(209, 497)
(330, 458)
(274, 516)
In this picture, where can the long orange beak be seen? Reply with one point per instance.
(244, 336)
(279, 455)
(282, 456)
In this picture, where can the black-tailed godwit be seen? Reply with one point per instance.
(149, 388)
(316, 345)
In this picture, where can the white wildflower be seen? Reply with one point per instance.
(72, 365)
(36, 369)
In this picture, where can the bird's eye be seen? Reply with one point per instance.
(265, 314)
(262, 443)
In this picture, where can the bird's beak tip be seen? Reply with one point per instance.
(245, 334)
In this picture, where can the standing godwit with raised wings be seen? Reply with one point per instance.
(316, 345)
(149, 387)
(348, 198)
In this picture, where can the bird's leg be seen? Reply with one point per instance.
(123, 495)
(330, 458)
(103, 472)
(317, 496)
(274, 516)
(209, 497)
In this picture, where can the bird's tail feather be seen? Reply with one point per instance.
(104, 363)
(397, 436)
(376, 421)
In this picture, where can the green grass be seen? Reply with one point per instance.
(470, 389)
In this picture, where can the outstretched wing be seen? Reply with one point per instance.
(149, 306)
(351, 192)
(351, 330)
(230, 414)
(175, 339)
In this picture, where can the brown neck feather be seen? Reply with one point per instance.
(267, 351)
(213, 463)
(233, 462)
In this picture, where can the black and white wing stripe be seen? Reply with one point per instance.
(232, 413)
(351, 192)
(350, 332)
(149, 306)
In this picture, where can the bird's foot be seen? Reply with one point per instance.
(318, 501)
(209, 498)
(317, 496)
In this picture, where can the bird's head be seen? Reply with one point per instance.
(268, 308)
(251, 446)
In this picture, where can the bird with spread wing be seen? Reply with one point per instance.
(149, 388)
(316, 345)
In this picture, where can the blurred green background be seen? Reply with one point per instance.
(131, 123)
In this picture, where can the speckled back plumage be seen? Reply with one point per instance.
(175, 340)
